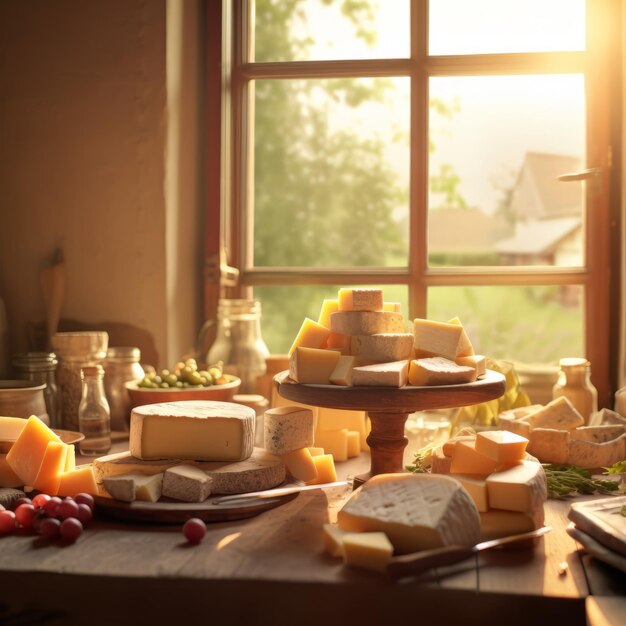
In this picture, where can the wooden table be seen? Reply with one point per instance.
(271, 569)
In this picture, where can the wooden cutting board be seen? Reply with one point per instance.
(260, 472)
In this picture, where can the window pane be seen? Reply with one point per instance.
(320, 30)
(331, 169)
(497, 145)
(285, 307)
(537, 324)
(489, 26)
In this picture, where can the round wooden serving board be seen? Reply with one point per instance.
(167, 511)
(388, 409)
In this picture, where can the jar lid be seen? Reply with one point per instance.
(35, 361)
(123, 353)
(81, 343)
(573, 362)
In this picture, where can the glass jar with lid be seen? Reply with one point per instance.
(121, 366)
(40, 367)
(574, 382)
(76, 350)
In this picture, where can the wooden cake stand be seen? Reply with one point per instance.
(388, 409)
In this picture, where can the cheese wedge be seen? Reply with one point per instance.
(11, 427)
(334, 442)
(310, 335)
(312, 366)
(437, 339)
(465, 460)
(360, 299)
(339, 342)
(52, 467)
(197, 430)
(333, 539)
(559, 414)
(287, 428)
(476, 486)
(300, 464)
(325, 467)
(186, 483)
(439, 371)
(336, 419)
(80, 480)
(504, 447)
(519, 488)
(342, 374)
(133, 487)
(394, 374)
(328, 307)
(475, 361)
(354, 444)
(416, 511)
(371, 550)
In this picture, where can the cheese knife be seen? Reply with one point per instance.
(418, 562)
(275, 493)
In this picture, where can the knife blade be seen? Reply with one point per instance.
(274, 493)
(417, 562)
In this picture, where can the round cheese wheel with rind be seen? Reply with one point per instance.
(416, 511)
(366, 322)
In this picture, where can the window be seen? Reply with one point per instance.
(418, 146)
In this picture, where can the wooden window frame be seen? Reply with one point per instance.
(230, 171)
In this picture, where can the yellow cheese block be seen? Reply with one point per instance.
(11, 427)
(371, 550)
(333, 539)
(312, 365)
(26, 454)
(310, 335)
(439, 371)
(8, 478)
(325, 467)
(300, 464)
(465, 460)
(476, 486)
(437, 339)
(315, 451)
(70, 460)
(497, 523)
(342, 374)
(519, 488)
(52, 467)
(334, 442)
(504, 447)
(336, 419)
(360, 299)
(80, 480)
(354, 444)
(328, 307)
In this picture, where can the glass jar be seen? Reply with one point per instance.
(121, 366)
(620, 401)
(238, 342)
(574, 382)
(94, 415)
(40, 367)
(75, 351)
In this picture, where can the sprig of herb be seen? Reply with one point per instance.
(422, 460)
(569, 480)
(616, 468)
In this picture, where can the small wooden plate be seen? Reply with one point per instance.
(167, 511)
(66, 436)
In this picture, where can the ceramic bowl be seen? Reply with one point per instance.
(223, 393)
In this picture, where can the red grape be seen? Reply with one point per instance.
(49, 527)
(67, 508)
(50, 507)
(22, 500)
(70, 529)
(84, 513)
(24, 514)
(194, 530)
(7, 522)
(85, 498)
(40, 500)
(40, 515)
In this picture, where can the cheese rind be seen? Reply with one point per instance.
(383, 347)
(439, 371)
(416, 511)
(549, 444)
(394, 374)
(186, 483)
(287, 428)
(366, 322)
(199, 430)
(312, 366)
(360, 299)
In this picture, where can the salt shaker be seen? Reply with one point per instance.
(94, 415)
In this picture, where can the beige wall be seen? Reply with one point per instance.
(83, 147)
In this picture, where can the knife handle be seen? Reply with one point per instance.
(412, 564)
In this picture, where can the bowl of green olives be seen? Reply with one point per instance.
(186, 381)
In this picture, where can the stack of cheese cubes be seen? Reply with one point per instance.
(40, 460)
(359, 339)
(507, 486)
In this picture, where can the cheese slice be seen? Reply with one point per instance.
(465, 460)
(416, 511)
(70, 459)
(52, 467)
(333, 539)
(519, 488)
(360, 299)
(287, 428)
(80, 480)
(336, 419)
(342, 374)
(133, 487)
(197, 429)
(383, 347)
(439, 371)
(310, 335)
(502, 446)
(394, 374)
(476, 486)
(366, 322)
(26, 454)
(300, 464)
(354, 444)
(186, 483)
(312, 366)
(560, 414)
(328, 307)
(437, 339)
(325, 467)
(334, 442)
(371, 550)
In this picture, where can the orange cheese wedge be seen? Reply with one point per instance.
(80, 480)
(51, 468)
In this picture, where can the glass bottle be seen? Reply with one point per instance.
(94, 416)
(121, 366)
(40, 367)
(238, 342)
(574, 382)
